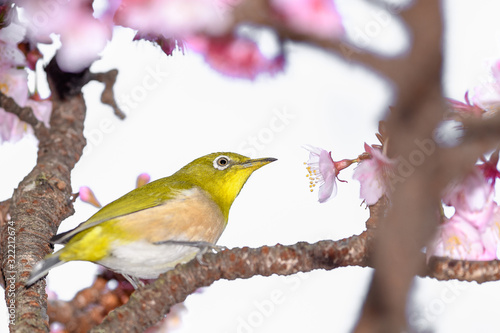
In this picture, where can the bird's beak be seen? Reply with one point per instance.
(257, 162)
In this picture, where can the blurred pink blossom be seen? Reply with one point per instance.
(373, 175)
(319, 17)
(10, 55)
(491, 234)
(487, 95)
(470, 194)
(173, 18)
(82, 35)
(14, 83)
(467, 107)
(489, 167)
(235, 56)
(458, 239)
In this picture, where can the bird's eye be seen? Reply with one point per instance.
(221, 162)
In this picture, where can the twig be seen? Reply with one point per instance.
(24, 113)
(108, 96)
(88, 307)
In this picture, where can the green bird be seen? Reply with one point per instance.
(151, 229)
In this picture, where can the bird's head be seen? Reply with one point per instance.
(222, 175)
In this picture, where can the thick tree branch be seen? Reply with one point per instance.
(244, 263)
(38, 205)
(43, 198)
(149, 304)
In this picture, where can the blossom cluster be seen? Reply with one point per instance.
(472, 233)
(85, 27)
(473, 230)
(14, 78)
(204, 26)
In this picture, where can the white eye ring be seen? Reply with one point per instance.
(222, 162)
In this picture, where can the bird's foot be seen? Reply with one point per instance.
(201, 245)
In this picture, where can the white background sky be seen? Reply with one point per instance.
(321, 100)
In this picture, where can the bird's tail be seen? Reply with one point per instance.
(42, 268)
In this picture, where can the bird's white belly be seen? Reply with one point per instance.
(146, 260)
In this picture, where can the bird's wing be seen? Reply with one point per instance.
(144, 197)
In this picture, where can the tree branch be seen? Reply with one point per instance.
(108, 95)
(43, 198)
(88, 307)
(245, 263)
(24, 113)
(149, 304)
(39, 204)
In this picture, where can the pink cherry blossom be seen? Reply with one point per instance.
(173, 18)
(458, 239)
(470, 194)
(487, 95)
(318, 17)
(373, 175)
(489, 167)
(10, 55)
(235, 56)
(466, 107)
(14, 83)
(82, 43)
(322, 171)
(82, 36)
(11, 128)
(491, 235)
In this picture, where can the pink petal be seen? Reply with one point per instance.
(326, 165)
(328, 189)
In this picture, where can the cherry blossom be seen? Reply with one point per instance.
(487, 95)
(318, 17)
(373, 175)
(324, 171)
(235, 56)
(470, 194)
(458, 239)
(173, 18)
(82, 35)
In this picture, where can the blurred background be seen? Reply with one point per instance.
(178, 109)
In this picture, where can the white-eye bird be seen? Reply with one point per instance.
(153, 228)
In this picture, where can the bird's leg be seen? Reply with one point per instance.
(201, 245)
(135, 282)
